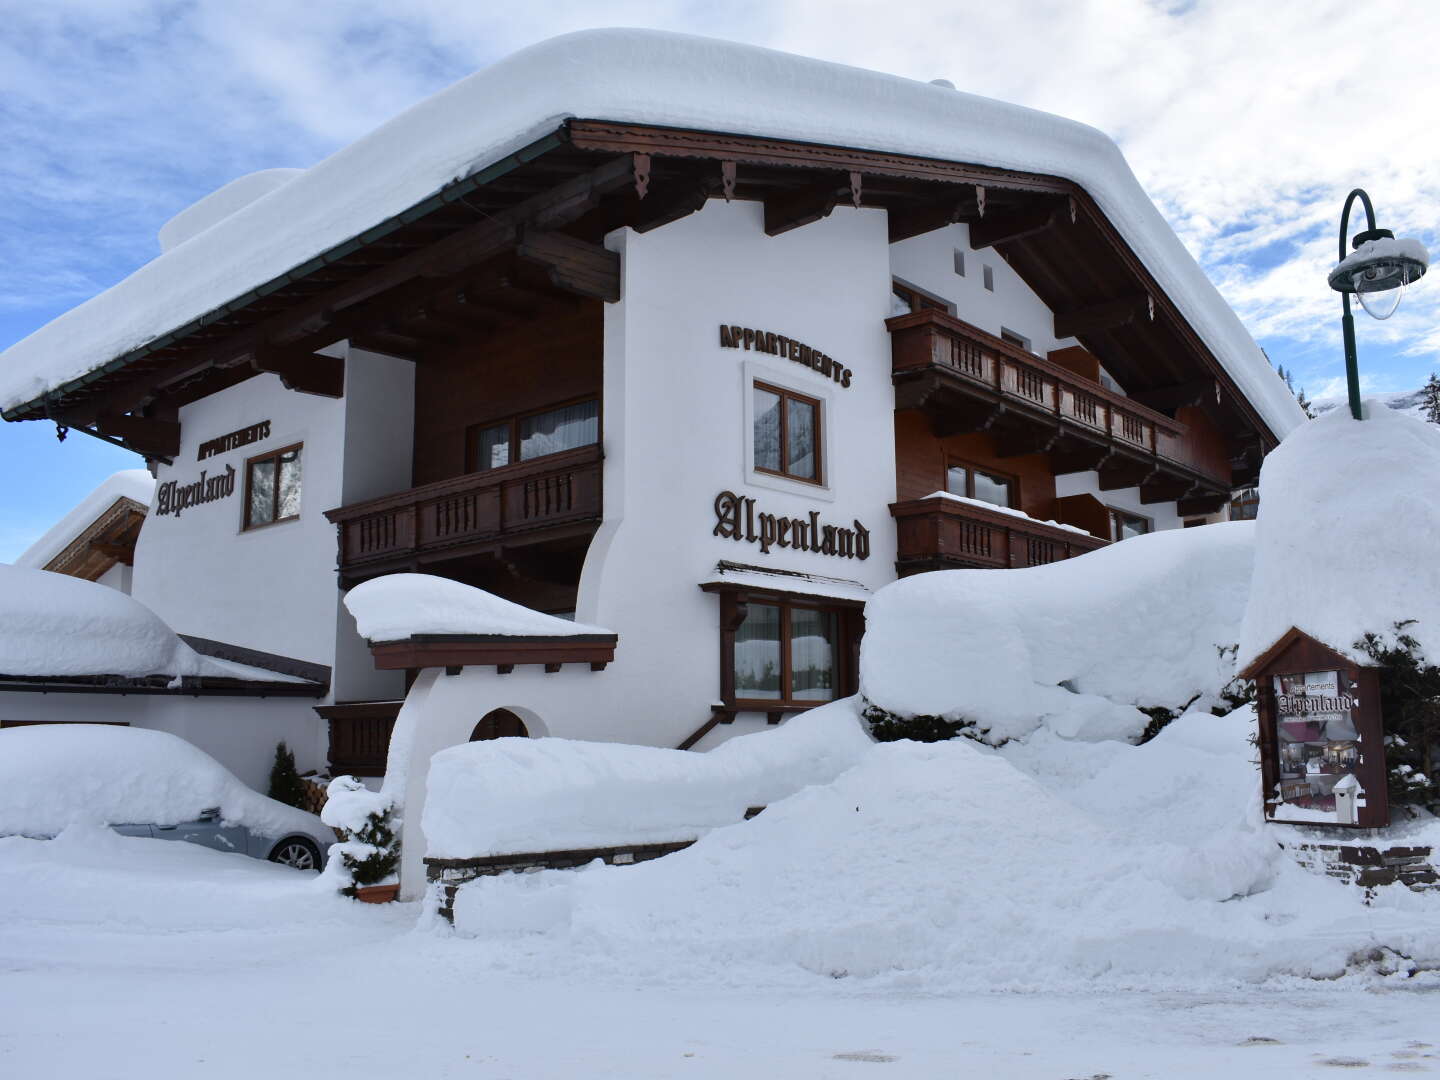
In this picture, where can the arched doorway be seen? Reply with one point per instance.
(499, 724)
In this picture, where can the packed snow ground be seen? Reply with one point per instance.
(124, 958)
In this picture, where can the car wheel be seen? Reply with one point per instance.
(296, 852)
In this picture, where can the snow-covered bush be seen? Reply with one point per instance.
(1410, 708)
(370, 849)
(1078, 646)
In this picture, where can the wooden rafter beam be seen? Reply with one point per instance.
(1121, 473)
(1167, 399)
(573, 265)
(927, 217)
(145, 435)
(1167, 489)
(1208, 503)
(1080, 321)
(1003, 228)
(792, 209)
(550, 209)
(305, 372)
(674, 199)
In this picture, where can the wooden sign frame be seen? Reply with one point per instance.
(1294, 655)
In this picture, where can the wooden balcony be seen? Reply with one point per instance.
(946, 534)
(967, 380)
(531, 503)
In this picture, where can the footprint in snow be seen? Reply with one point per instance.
(864, 1055)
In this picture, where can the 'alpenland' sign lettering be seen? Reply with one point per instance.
(736, 519)
(243, 437)
(742, 337)
(174, 498)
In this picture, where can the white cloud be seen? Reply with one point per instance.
(1247, 122)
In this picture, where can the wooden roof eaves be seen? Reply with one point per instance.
(755, 150)
(38, 408)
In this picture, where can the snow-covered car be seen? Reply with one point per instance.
(145, 783)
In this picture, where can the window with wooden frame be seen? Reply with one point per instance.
(983, 485)
(786, 433)
(787, 653)
(1124, 524)
(272, 487)
(1245, 506)
(904, 299)
(527, 436)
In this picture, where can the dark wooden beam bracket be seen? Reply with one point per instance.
(304, 372)
(1106, 316)
(148, 436)
(573, 265)
(806, 205)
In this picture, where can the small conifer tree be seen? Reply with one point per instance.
(1430, 399)
(1410, 707)
(285, 783)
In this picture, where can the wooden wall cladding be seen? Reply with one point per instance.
(1203, 446)
(527, 368)
(921, 460)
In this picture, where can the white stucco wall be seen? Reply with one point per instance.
(271, 588)
(927, 262)
(118, 577)
(676, 435)
(240, 733)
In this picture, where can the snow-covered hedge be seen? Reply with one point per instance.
(519, 795)
(1073, 646)
(56, 775)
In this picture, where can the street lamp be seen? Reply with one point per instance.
(1377, 271)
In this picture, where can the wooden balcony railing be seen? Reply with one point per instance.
(1001, 373)
(559, 493)
(942, 533)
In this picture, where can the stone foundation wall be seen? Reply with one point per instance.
(452, 873)
(1368, 866)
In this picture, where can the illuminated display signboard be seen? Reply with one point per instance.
(1321, 740)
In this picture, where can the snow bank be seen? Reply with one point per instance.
(1347, 533)
(504, 796)
(54, 625)
(1071, 646)
(398, 606)
(136, 484)
(56, 775)
(636, 76)
(947, 866)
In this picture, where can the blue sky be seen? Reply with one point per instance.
(1247, 123)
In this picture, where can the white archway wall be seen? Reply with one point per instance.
(441, 711)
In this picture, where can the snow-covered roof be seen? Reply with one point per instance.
(1345, 538)
(737, 575)
(630, 76)
(400, 606)
(134, 484)
(55, 626)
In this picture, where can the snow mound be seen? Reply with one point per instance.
(1345, 541)
(56, 775)
(947, 866)
(504, 796)
(136, 484)
(641, 77)
(398, 606)
(1072, 646)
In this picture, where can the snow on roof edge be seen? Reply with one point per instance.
(136, 484)
(633, 76)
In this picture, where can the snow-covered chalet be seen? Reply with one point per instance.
(693, 343)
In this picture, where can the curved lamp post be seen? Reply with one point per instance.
(1377, 271)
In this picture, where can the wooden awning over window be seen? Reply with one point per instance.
(454, 651)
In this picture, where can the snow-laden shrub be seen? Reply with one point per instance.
(1410, 709)
(370, 846)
